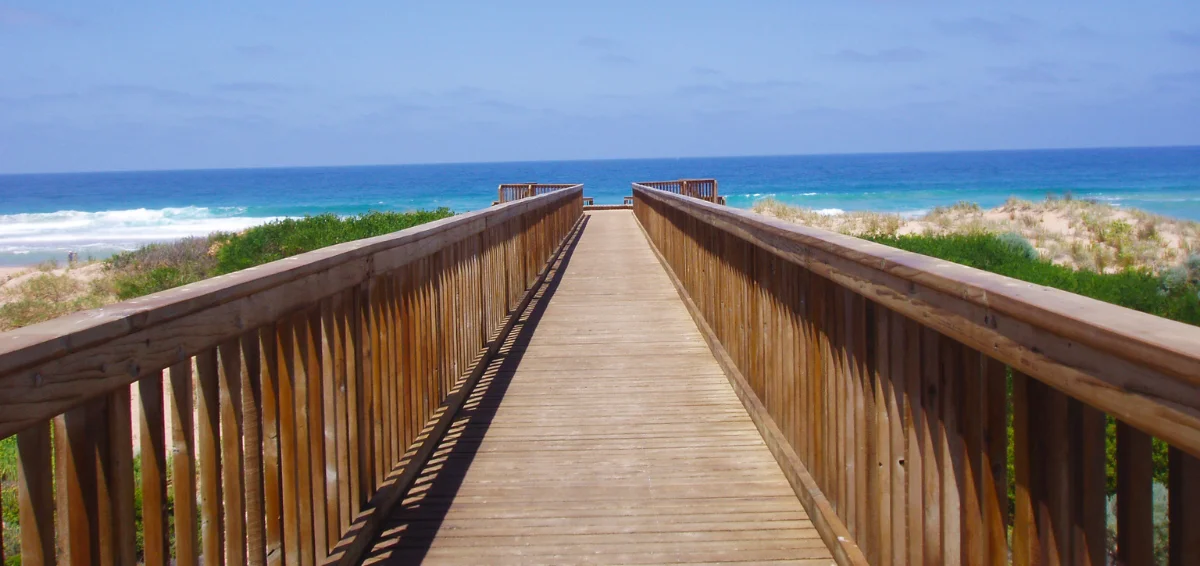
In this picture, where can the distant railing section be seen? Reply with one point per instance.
(703, 189)
(511, 192)
(885, 382)
(275, 405)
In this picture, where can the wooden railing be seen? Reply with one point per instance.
(703, 189)
(276, 405)
(508, 193)
(885, 381)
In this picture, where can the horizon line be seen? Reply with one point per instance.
(586, 160)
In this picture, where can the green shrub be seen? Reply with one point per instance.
(1173, 279)
(289, 237)
(1138, 289)
(158, 267)
(1019, 245)
(8, 495)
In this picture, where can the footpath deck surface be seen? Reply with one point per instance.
(605, 433)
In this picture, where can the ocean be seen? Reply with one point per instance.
(45, 216)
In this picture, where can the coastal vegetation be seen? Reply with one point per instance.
(1077, 233)
(49, 290)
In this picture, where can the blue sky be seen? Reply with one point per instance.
(163, 85)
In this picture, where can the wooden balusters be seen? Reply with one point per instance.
(35, 491)
(293, 392)
(896, 403)
(152, 422)
(183, 463)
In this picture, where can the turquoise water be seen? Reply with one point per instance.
(45, 216)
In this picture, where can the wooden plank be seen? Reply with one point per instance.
(288, 363)
(364, 371)
(208, 414)
(152, 419)
(232, 460)
(881, 480)
(1184, 477)
(825, 519)
(329, 360)
(1052, 464)
(349, 322)
(117, 470)
(931, 443)
(915, 425)
(993, 485)
(76, 483)
(974, 541)
(269, 387)
(1089, 531)
(1026, 544)
(336, 329)
(183, 463)
(316, 436)
(1135, 472)
(304, 367)
(896, 471)
(253, 444)
(35, 495)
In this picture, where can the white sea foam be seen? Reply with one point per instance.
(119, 229)
(830, 211)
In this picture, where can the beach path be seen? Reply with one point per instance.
(605, 432)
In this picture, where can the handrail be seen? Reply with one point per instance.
(704, 189)
(292, 391)
(869, 367)
(511, 192)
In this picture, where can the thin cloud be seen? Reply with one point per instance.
(1084, 33)
(1004, 31)
(616, 59)
(895, 55)
(1187, 38)
(1186, 81)
(156, 94)
(705, 71)
(1034, 73)
(597, 42)
(18, 17)
(738, 88)
(249, 87)
(256, 51)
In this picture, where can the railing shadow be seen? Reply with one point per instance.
(414, 524)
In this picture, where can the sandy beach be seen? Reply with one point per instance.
(7, 273)
(1078, 233)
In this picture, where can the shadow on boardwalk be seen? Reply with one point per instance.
(414, 524)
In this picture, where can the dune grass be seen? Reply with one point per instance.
(1077, 233)
(53, 292)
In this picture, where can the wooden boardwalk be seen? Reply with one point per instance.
(605, 432)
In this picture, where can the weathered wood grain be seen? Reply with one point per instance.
(1140, 368)
(602, 454)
